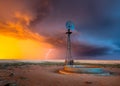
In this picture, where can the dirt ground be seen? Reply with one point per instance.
(36, 75)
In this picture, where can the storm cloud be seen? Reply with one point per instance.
(97, 26)
(96, 31)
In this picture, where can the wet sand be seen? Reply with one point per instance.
(38, 75)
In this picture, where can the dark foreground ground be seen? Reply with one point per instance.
(46, 74)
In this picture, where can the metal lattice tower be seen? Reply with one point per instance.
(69, 59)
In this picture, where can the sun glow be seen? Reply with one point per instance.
(13, 48)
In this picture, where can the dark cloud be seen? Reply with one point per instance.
(90, 51)
(58, 40)
(42, 8)
(97, 23)
(97, 26)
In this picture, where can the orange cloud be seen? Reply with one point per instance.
(17, 41)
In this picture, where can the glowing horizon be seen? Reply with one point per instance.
(13, 48)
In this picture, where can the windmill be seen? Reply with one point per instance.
(69, 27)
(69, 66)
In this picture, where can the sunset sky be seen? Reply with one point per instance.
(35, 29)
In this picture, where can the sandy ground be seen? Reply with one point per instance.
(35, 75)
